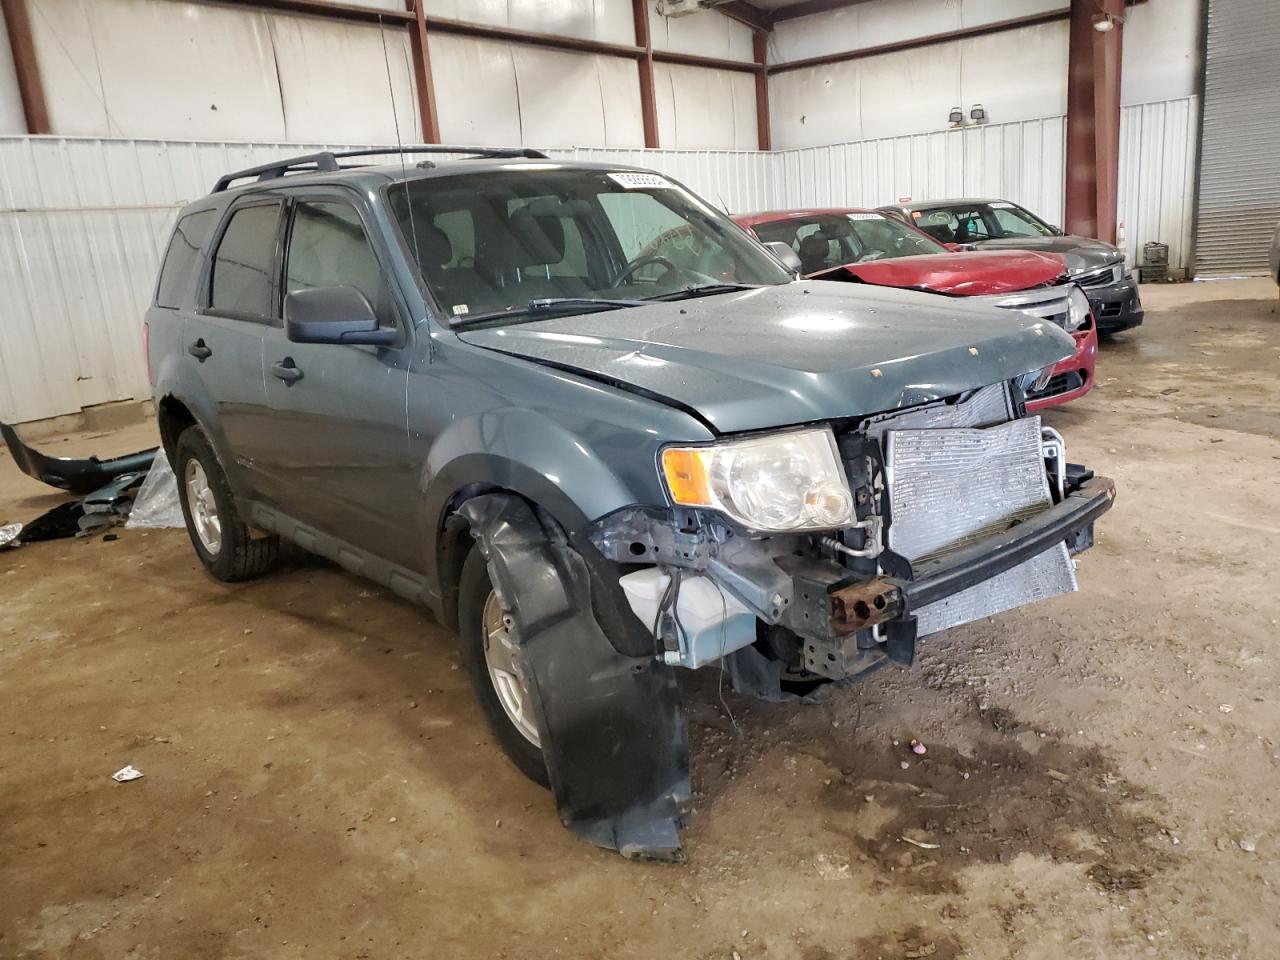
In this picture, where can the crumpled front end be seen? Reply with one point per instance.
(963, 510)
(955, 510)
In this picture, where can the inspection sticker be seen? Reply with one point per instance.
(1002, 205)
(865, 216)
(640, 181)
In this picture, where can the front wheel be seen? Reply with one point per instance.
(222, 540)
(490, 654)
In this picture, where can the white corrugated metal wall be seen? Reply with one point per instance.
(83, 221)
(1018, 161)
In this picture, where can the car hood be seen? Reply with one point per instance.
(1082, 253)
(793, 353)
(973, 274)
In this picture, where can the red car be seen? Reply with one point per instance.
(864, 246)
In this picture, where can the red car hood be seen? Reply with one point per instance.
(959, 274)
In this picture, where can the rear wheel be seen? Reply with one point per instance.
(222, 540)
(490, 653)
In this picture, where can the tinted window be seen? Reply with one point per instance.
(244, 264)
(182, 256)
(328, 248)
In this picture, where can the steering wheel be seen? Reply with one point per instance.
(635, 265)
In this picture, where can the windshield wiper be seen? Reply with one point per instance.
(546, 305)
(705, 290)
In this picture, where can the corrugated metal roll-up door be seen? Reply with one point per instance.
(1239, 197)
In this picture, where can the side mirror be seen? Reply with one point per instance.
(783, 253)
(1057, 231)
(333, 315)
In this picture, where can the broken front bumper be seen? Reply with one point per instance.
(65, 473)
(910, 587)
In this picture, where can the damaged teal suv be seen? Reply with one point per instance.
(606, 436)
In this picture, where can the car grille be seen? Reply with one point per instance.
(1059, 384)
(1102, 277)
(1049, 303)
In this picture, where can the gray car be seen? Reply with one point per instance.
(466, 380)
(1096, 266)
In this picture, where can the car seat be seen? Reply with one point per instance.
(530, 240)
(814, 250)
(939, 231)
(455, 286)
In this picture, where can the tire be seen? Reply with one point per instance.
(237, 554)
(475, 594)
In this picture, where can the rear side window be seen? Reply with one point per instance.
(244, 265)
(182, 256)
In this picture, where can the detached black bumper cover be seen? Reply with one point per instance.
(911, 587)
(77, 476)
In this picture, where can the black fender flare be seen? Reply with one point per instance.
(613, 732)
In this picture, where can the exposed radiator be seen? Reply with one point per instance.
(948, 487)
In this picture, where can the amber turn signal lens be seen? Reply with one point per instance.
(686, 472)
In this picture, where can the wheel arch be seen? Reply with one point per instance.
(173, 416)
(452, 532)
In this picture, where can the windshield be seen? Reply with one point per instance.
(976, 222)
(826, 240)
(522, 241)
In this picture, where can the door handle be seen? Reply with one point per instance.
(287, 371)
(200, 350)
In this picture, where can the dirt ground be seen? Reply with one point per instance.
(1101, 780)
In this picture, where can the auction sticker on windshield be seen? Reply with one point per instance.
(641, 181)
(865, 216)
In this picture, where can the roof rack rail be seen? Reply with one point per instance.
(327, 161)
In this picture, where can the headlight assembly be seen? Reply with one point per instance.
(1077, 308)
(779, 483)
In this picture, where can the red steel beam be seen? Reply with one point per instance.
(747, 13)
(714, 63)
(760, 47)
(329, 9)
(1082, 173)
(809, 7)
(1107, 48)
(1093, 119)
(512, 35)
(976, 31)
(484, 31)
(30, 89)
(428, 119)
(648, 106)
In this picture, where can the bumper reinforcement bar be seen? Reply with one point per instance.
(886, 598)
